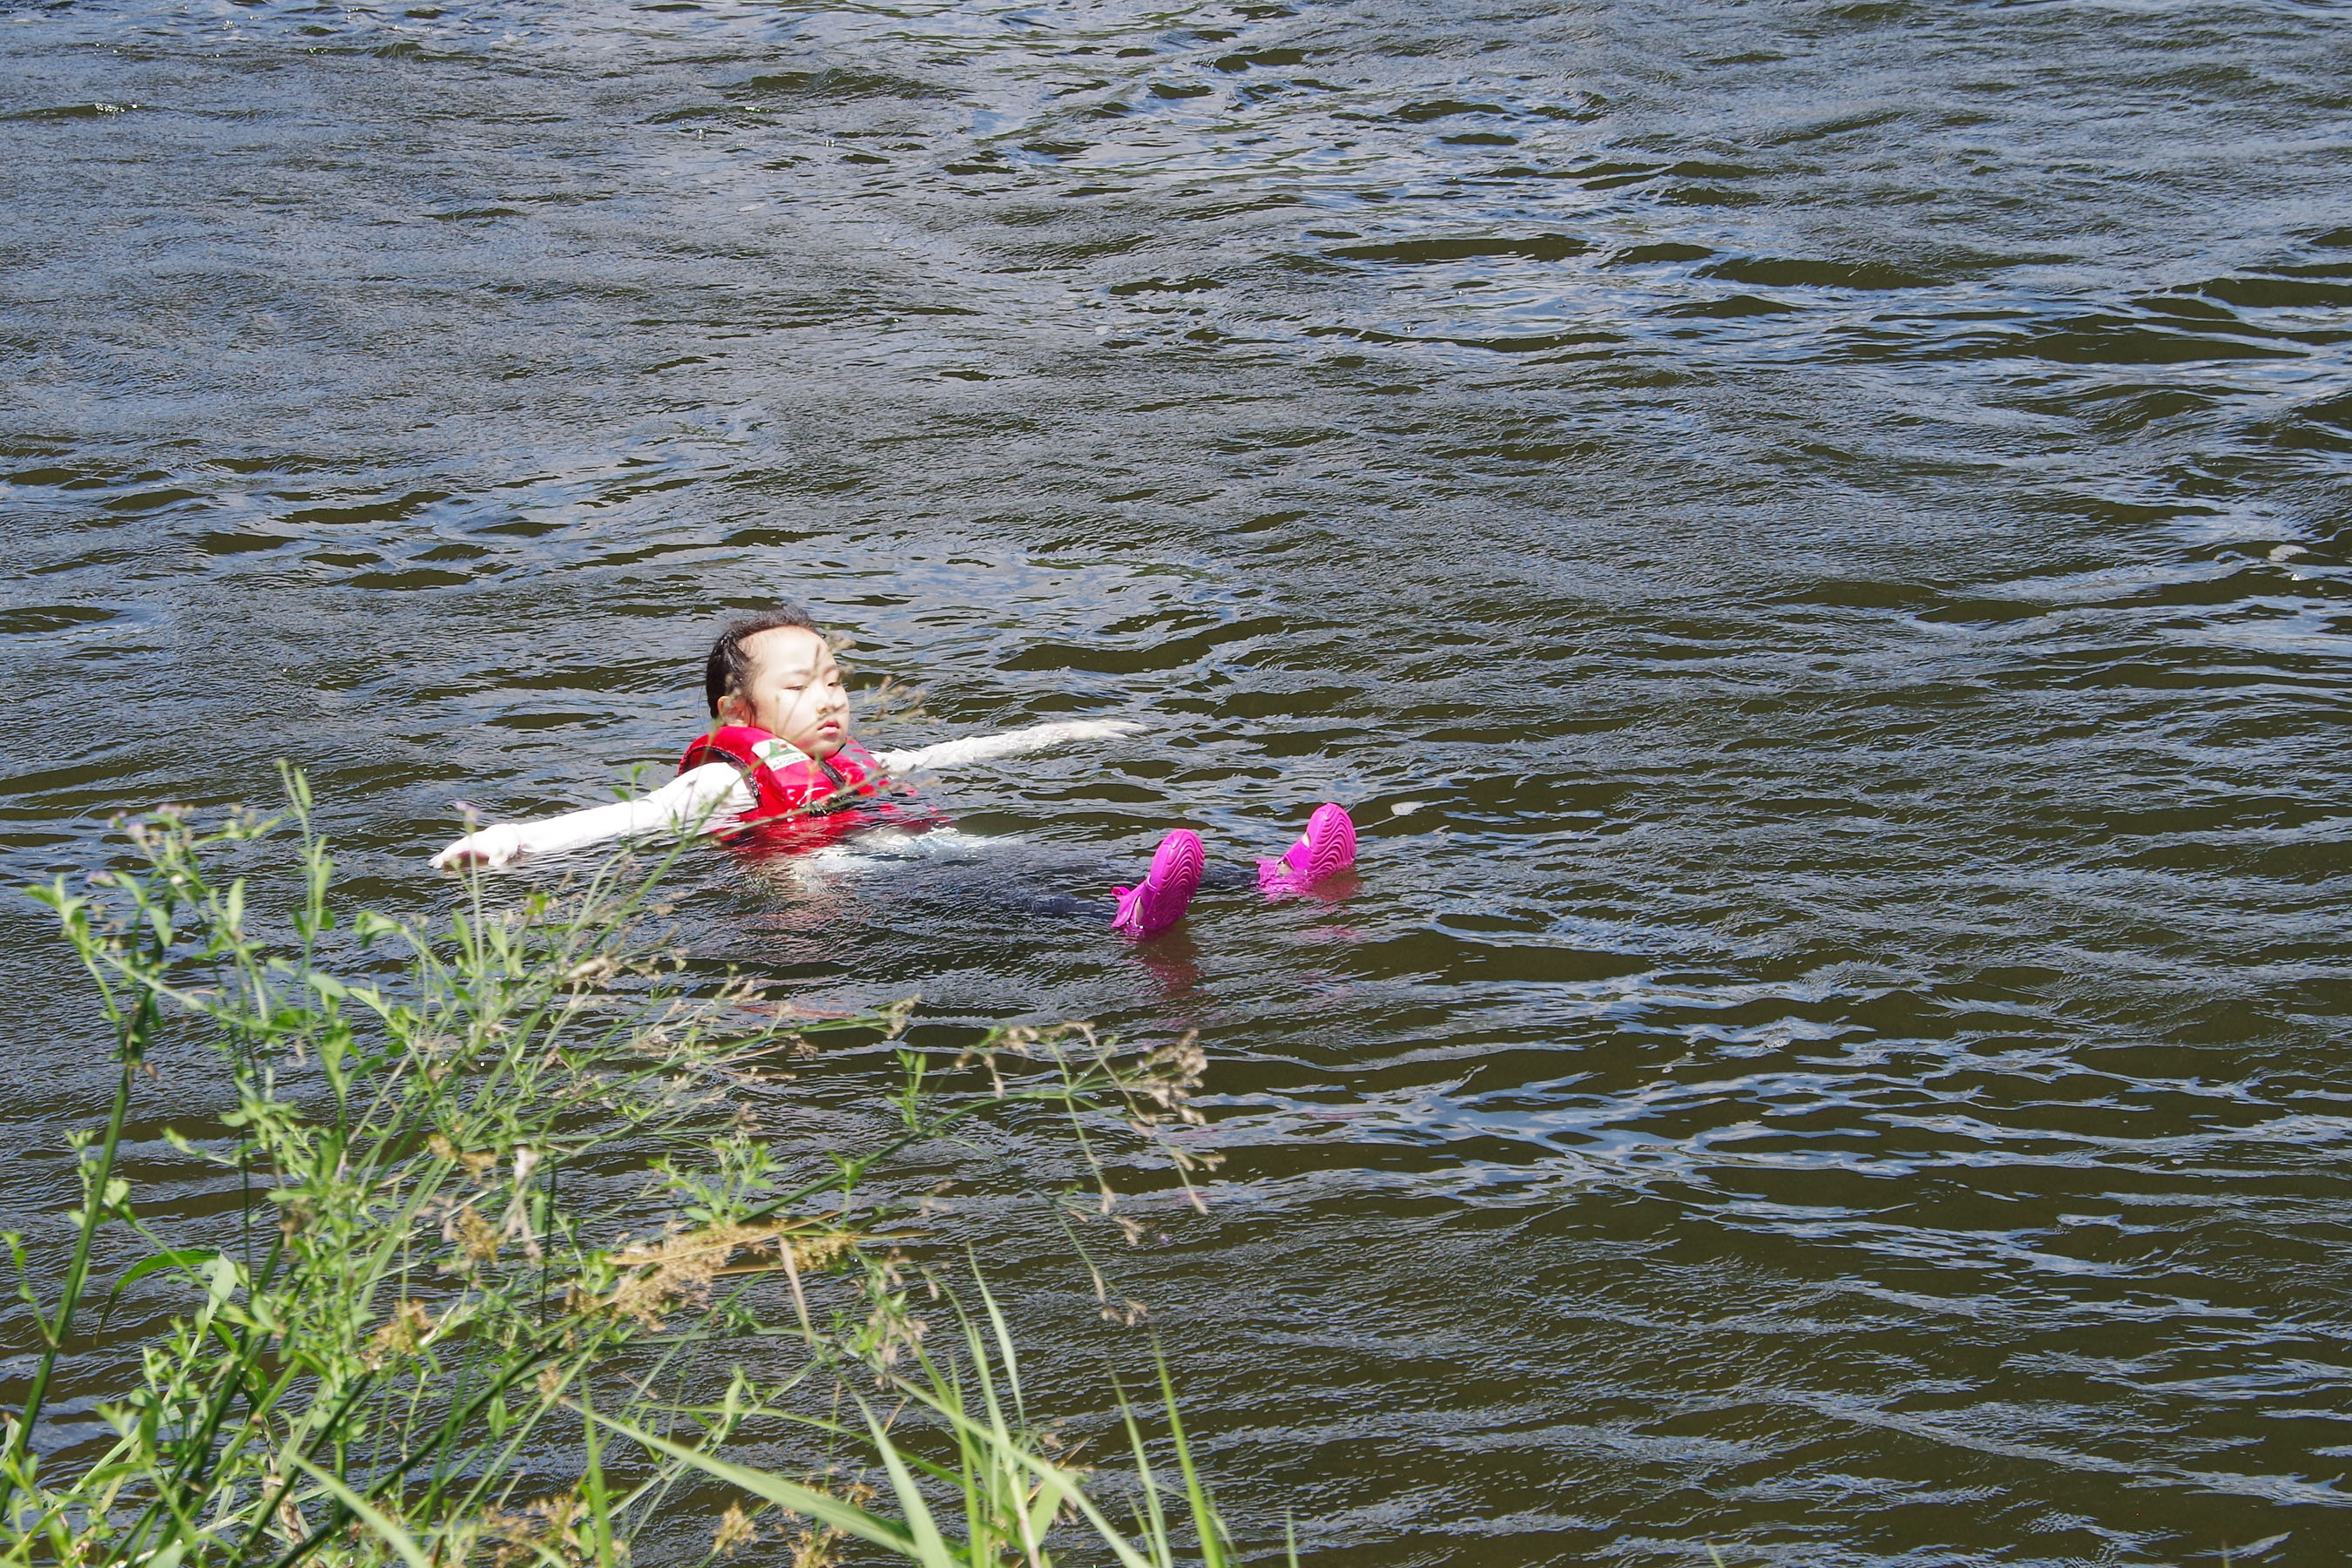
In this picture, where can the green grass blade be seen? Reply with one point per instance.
(1205, 1521)
(931, 1547)
(1051, 1473)
(391, 1534)
(822, 1507)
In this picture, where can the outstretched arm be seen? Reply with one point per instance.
(1011, 744)
(702, 800)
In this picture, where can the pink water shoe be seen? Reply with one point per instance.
(1167, 889)
(1328, 847)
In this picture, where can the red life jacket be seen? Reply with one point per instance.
(798, 800)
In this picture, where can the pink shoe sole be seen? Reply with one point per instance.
(1328, 847)
(1167, 888)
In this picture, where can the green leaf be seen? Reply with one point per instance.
(367, 925)
(183, 1257)
(222, 1276)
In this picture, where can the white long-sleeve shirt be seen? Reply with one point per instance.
(710, 798)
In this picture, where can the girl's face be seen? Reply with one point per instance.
(793, 691)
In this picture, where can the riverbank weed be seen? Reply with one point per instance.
(501, 1215)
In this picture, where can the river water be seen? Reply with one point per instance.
(1810, 536)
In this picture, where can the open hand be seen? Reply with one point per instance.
(492, 847)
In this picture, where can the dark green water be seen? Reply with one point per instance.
(1847, 1062)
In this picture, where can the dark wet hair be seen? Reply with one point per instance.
(727, 666)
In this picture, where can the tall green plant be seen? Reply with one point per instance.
(449, 1261)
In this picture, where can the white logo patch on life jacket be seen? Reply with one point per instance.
(779, 753)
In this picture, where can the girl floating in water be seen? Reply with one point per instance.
(779, 769)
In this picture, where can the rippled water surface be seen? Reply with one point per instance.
(1811, 535)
